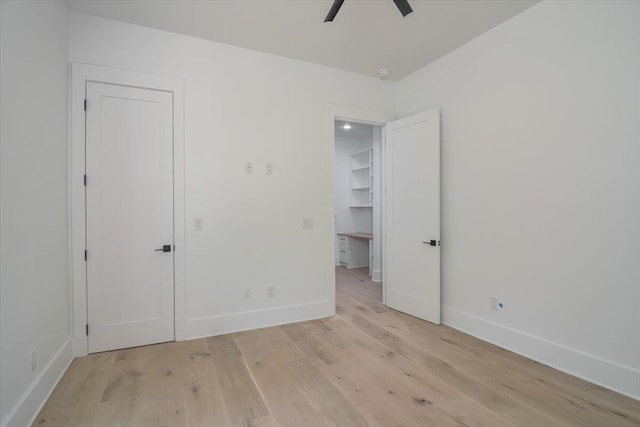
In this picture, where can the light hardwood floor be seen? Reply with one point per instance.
(367, 366)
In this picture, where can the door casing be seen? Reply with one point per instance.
(376, 118)
(80, 75)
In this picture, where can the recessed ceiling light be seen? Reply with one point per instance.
(346, 126)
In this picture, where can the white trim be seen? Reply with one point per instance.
(248, 320)
(619, 378)
(376, 276)
(369, 117)
(383, 213)
(80, 74)
(34, 398)
(377, 202)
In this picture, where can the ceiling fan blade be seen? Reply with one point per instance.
(337, 4)
(403, 7)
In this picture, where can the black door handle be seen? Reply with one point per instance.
(431, 243)
(165, 248)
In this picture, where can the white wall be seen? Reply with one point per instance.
(245, 105)
(34, 277)
(541, 185)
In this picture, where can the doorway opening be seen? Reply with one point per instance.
(358, 211)
(405, 178)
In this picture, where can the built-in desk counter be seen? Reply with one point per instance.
(355, 250)
(366, 236)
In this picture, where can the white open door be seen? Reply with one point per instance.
(412, 215)
(129, 211)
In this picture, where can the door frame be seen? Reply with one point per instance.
(80, 75)
(369, 117)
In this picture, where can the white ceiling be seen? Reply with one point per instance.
(365, 36)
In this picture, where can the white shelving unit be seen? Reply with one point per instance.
(361, 179)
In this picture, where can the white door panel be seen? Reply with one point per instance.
(412, 210)
(129, 164)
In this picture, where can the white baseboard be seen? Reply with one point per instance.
(358, 266)
(247, 320)
(30, 403)
(376, 275)
(619, 378)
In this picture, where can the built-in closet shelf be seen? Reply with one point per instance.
(364, 153)
(361, 179)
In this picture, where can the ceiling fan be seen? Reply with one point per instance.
(402, 5)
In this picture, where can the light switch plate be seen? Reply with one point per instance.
(198, 224)
(307, 223)
(248, 167)
(268, 168)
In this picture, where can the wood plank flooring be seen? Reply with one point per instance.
(367, 366)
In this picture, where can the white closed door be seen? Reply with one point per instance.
(412, 215)
(129, 211)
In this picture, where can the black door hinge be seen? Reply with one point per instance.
(85, 105)
(84, 180)
(85, 254)
(87, 329)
